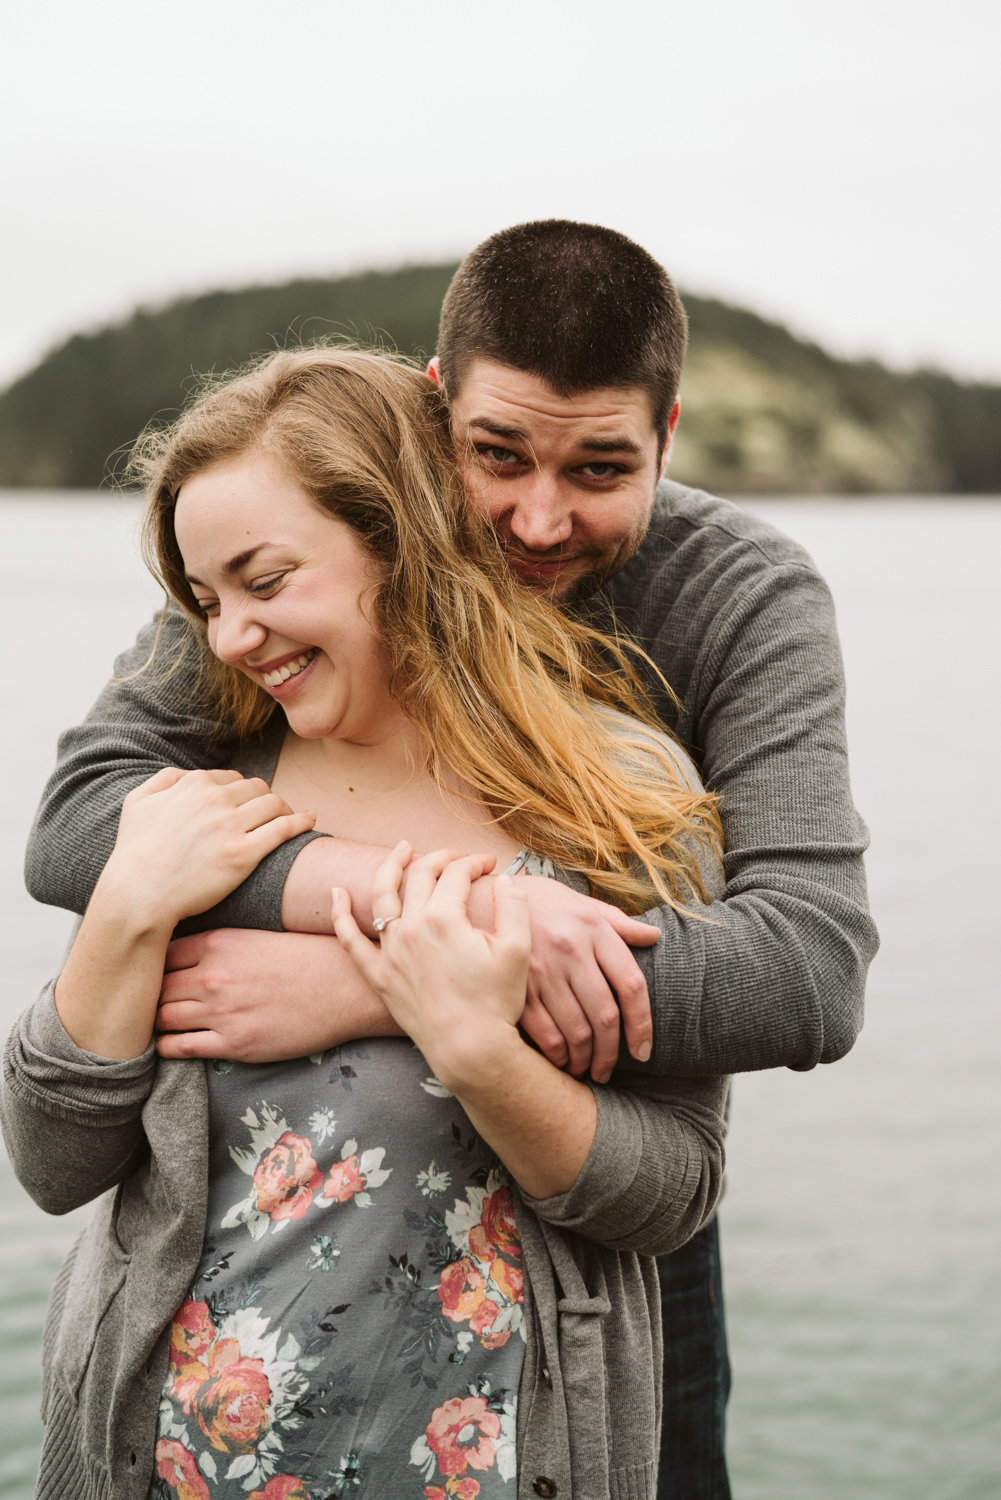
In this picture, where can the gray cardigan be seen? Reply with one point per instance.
(589, 1405)
(740, 622)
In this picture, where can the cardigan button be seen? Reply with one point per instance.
(544, 1487)
(547, 1377)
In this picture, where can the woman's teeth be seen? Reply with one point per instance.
(290, 669)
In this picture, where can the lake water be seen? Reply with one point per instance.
(862, 1222)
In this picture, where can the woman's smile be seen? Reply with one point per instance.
(291, 670)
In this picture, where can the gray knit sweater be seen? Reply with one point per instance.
(740, 622)
(589, 1402)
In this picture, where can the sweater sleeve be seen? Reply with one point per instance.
(153, 713)
(72, 1121)
(655, 1169)
(776, 977)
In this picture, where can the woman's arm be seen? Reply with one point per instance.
(184, 841)
(540, 1122)
(72, 1122)
(459, 992)
(638, 1167)
(655, 1170)
(79, 1065)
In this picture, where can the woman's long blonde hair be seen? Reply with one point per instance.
(501, 684)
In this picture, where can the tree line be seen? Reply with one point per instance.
(762, 411)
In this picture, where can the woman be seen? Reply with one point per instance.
(390, 1270)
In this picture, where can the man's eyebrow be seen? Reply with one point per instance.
(500, 429)
(612, 445)
(235, 563)
(592, 445)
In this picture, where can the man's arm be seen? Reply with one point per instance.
(777, 978)
(258, 996)
(163, 715)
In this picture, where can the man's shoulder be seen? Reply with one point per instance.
(696, 540)
(720, 526)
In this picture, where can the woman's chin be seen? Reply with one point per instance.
(306, 725)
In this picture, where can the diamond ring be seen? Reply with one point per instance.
(381, 923)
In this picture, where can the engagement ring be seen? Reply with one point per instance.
(381, 923)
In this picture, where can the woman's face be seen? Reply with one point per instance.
(286, 590)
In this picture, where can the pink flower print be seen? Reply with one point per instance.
(463, 1434)
(282, 1487)
(286, 1178)
(343, 1180)
(176, 1465)
(497, 1230)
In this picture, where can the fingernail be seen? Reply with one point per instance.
(402, 845)
(336, 892)
(643, 1052)
(604, 1077)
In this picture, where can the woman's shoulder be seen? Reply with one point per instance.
(637, 737)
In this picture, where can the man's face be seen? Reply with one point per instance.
(567, 481)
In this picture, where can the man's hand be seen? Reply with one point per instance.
(263, 996)
(583, 980)
(584, 984)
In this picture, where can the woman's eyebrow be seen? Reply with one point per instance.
(235, 563)
(242, 558)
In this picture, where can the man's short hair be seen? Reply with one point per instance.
(576, 304)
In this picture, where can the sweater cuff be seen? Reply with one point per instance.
(44, 1070)
(258, 901)
(43, 1034)
(611, 1165)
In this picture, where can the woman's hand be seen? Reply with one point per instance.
(459, 992)
(188, 838)
(586, 992)
(452, 987)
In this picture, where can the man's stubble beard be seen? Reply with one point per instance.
(588, 584)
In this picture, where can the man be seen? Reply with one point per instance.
(560, 353)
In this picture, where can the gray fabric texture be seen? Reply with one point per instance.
(740, 622)
(76, 1126)
(589, 1403)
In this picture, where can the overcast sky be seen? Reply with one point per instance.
(832, 165)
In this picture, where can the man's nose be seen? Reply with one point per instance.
(237, 634)
(542, 517)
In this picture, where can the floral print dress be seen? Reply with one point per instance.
(355, 1326)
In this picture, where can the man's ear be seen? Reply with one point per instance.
(672, 423)
(434, 370)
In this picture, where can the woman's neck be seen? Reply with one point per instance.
(380, 764)
(381, 791)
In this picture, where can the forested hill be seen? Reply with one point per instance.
(762, 411)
